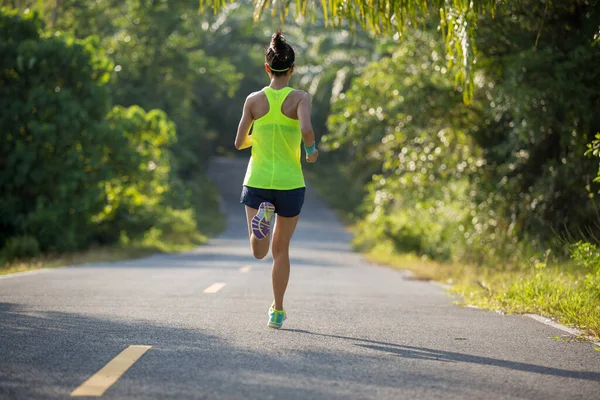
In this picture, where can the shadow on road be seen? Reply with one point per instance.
(47, 354)
(421, 353)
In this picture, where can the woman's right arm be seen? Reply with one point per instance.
(243, 140)
(308, 135)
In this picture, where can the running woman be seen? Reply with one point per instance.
(274, 183)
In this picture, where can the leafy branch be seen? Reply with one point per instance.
(457, 22)
(594, 150)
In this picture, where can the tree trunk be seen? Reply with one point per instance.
(55, 12)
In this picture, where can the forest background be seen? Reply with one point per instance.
(464, 151)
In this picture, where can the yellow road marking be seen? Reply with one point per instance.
(214, 288)
(247, 268)
(98, 383)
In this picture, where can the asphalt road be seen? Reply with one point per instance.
(354, 331)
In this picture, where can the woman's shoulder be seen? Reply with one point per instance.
(256, 95)
(259, 98)
(300, 93)
(297, 95)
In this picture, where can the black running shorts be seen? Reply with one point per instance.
(288, 203)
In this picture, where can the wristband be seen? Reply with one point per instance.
(311, 150)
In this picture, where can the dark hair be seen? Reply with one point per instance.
(279, 56)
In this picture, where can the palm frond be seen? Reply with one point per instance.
(457, 22)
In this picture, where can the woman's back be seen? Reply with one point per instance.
(276, 138)
(260, 104)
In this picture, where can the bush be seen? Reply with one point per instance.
(586, 255)
(21, 247)
(54, 100)
(73, 170)
(136, 193)
(493, 183)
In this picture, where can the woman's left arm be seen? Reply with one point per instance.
(243, 140)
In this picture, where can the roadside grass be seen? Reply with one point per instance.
(92, 255)
(565, 292)
(562, 292)
(119, 252)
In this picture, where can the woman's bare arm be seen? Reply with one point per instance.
(308, 135)
(304, 107)
(242, 139)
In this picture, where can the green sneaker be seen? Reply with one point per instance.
(276, 318)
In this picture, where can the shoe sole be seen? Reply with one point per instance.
(261, 226)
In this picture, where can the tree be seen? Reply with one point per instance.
(457, 19)
(141, 163)
(54, 97)
(69, 163)
(165, 58)
(405, 131)
(539, 91)
(524, 183)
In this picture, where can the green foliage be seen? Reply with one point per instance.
(594, 147)
(142, 172)
(570, 298)
(160, 64)
(499, 187)
(457, 22)
(166, 56)
(539, 102)
(586, 255)
(54, 99)
(20, 247)
(71, 164)
(492, 183)
(417, 165)
(565, 292)
(594, 150)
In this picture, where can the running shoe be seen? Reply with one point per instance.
(276, 318)
(261, 222)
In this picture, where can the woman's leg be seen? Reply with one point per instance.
(260, 247)
(282, 235)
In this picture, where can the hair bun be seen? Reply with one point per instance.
(278, 42)
(279, 56)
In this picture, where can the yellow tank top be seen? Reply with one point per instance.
(276, 139)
